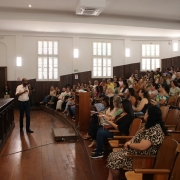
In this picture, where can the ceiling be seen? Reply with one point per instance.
(157, 18)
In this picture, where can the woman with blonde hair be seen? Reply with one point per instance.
(110, 92)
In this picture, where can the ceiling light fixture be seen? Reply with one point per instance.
(29, 5)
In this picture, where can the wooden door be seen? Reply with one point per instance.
(3, 79)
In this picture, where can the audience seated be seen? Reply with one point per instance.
(62, 98)
(143, 104)
(122, 123)
(131, 97)
(146, 142)
(163, 96)
(48, 97)
(153, 89)
(174, 90)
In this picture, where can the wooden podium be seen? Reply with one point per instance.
(6, 119)
(82, 102)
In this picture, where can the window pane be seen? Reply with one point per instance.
(148, 50)
(55, 48)
(144, 61)
(99, 48)
(45, 75)
(50, 75)
(152, 50)
(109, 71)
(109, 49)
(99, 62)
(94, 62)
(143, 47)
(157, 50)
(39, 75)
(50, 47)
(39, 60)
(153, 63)
(157, 63)
(109, 62)
(109, 52)
(39, 44)
(44, 47)
(48, 66)
(104, 71)
(55, 62)
(55, 75)
(94, 71)
(104, 49)
(104, 62)
(148, 64)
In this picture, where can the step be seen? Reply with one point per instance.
(64, 134)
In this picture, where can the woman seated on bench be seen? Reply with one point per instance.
(94, 123)
(146, 142)
(140, 110)
(163, 96)
(122, 123)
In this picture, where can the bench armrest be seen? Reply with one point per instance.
(122, 137)
(152, 171)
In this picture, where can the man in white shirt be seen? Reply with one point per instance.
(22, 92)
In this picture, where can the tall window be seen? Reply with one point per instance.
(150, 57)
(47, 60)
(102, 63)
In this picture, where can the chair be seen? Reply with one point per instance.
(175, 134)
(176, 173)
(164, 162)
(178, 102)
(172, 119)
(172, 100)
(114, 142)
(164, 110)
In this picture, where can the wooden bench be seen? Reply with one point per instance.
(164, 162)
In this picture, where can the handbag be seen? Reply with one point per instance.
(109, 127)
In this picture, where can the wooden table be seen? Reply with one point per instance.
(6, 119)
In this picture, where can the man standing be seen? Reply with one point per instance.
(22, 92)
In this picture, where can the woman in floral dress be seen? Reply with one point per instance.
(147, 141)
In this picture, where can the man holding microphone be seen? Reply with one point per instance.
(22, 92)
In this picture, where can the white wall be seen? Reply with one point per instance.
(3, 53)
(25, 46)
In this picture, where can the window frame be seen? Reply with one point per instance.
(150, 57)
(48, 56)
(101, 57)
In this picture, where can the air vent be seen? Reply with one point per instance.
(89, 11)
(90, 7)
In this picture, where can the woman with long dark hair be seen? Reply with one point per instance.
(147, 141)
(144, 103)
(163, 95)
(122, 123)
(124, 89)
(132, 97)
